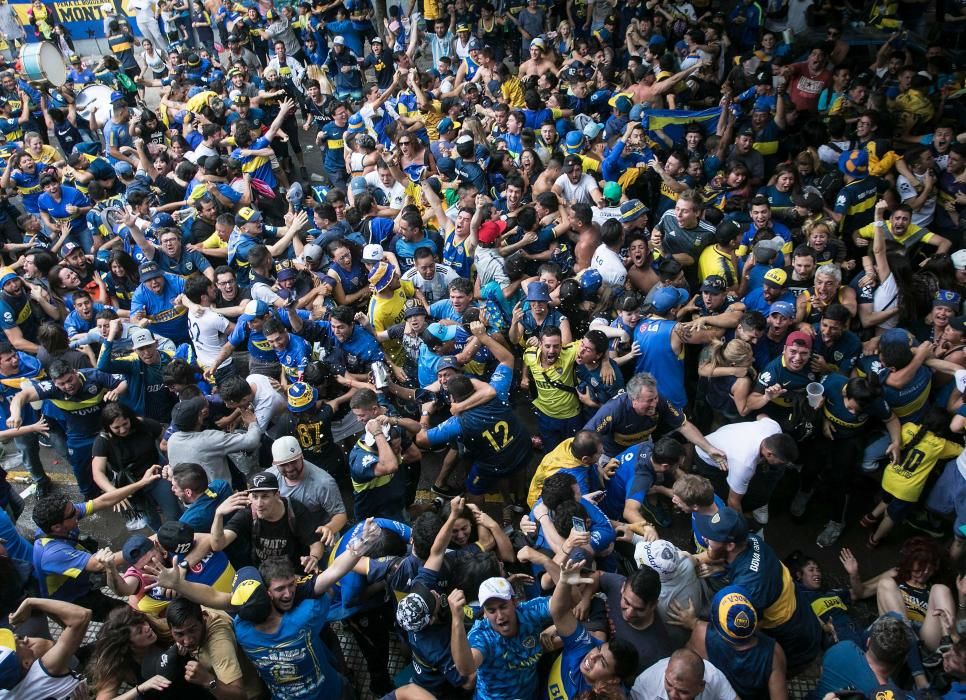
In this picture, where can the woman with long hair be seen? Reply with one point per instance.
(121, 278)
(895, 300)
(125, 641)
(123, 451)
(414, 156)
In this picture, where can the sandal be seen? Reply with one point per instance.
(870, 520)
(872, 542)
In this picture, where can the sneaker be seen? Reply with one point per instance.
(830, 535)
(799, 503)
(659, 515)
(925, 524)
(445, 491)
(437, 505)
(44, 441)
(761, 515)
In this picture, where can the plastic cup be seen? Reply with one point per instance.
(814, 392)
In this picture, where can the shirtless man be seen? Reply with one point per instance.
(648, 91)
(539, 61)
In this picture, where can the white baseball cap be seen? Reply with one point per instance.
(141, 338)
(495, 587)
(660, 555)
(373, 253)
(959, 259)
(108, 8)
(285, 449)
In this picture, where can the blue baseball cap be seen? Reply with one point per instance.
(163, 220)
(727, 525)
(149, 271)
(442, 332)
(255, 309)
(667, 298)
(449, 363)
(733, 616)
(785, 308)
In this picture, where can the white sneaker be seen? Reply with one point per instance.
(761, 515)
(799, 502)
(830, 535)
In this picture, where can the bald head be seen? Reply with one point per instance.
(684, 676)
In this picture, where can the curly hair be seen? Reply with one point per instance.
(919, 550)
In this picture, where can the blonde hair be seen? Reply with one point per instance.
(734, 353)
(827, 224)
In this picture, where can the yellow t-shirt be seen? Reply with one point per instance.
(713, 261)
(560, 458)
(907, 480)
(388, 311)
(213, 241)
(552, 400)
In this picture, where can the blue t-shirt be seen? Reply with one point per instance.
(295, 357)
(632, 480)
(116, 136)
(58, 210)
(293, 661)
(374, 494)
(166, 319)
(189, 263)
(566, 681)
(258, 347)
(258, 166)
(844, 666)
(200, 514)
(509, 668)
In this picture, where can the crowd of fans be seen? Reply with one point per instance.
(612, 265)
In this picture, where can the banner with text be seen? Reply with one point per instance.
(84, 19)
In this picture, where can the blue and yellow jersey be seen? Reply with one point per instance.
(60, 564)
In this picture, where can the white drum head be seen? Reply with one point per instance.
(52, 64)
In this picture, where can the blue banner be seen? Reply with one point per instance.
(84, 19)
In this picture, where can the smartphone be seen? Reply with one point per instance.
(578, 524)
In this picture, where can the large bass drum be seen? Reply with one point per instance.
(43, 62)
(94, 100)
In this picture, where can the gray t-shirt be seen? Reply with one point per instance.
(653, 643)
(317, 491)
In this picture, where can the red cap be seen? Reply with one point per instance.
(491, 231)
(799, 338)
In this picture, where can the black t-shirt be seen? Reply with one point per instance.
(288, 537)
(133, 454)
(313, 430)
(201, 230)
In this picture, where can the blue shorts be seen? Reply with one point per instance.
(898, 509)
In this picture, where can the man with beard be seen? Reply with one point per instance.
(773, 288)
(780, 389)
(752, 564)
(681, 233)
(553, 368)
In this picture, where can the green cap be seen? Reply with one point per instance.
(612, 191)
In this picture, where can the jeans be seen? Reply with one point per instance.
(874, 452)
(162, 503)
(553, 431)
(29, 448)
(79, 455)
